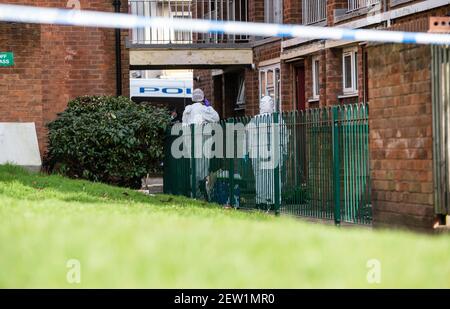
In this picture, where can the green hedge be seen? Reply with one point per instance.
(107, 139)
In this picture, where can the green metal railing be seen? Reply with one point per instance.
(322, 168)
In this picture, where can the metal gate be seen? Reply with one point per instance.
(321, 170)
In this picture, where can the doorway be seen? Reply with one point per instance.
(300, 87)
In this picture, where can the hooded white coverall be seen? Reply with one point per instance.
(199, 114)
(260, 133)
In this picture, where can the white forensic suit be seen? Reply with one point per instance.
(199, 114)
(261, 133)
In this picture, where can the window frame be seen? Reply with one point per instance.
(315, 77)
(276, 69)
(353, 54)
(240, 100)
(271, 8)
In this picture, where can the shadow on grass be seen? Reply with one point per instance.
(17, 183)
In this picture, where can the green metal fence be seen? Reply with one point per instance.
(313, 163)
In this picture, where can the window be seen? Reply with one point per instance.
(350, 70)
(314, 11)
(269, 83)
(240, 101)
(315, 77)
(273, 11)
(354, 5)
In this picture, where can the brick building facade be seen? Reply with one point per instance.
(54, 64)
(394, 79)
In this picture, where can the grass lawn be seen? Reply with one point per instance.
(125, 239)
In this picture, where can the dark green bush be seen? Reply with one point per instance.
(107, 139)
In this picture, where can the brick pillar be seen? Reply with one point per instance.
(362, 75)
(333, 5)
(256, 10)
(333, 76)
(251, 92)
(292, 12)
(204, 81)
(287, 87)
(308, 80)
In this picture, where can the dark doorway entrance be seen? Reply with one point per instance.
(300, 87)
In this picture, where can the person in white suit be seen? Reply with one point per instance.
(198, 114)
(261, 134)
(200, 111)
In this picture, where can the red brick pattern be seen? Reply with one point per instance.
(401, 135)
(292, 12)
(251, 92)
(330, 78)
(203, 80)
(332, 75)
(287, 87)
(333, 5)
(54, 64)
(260, 53)
(256, 10)
(21, 86)
(395, 80)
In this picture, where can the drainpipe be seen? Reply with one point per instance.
(385, 9)
(117, 4)
(364, 69)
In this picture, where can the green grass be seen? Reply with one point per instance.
(125, 239)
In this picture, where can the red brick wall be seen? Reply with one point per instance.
(292, 12)
(20, 85)
(362, 73)
(267, 52)
(399, 79)
(287, 87)
(309, 80)
(260, 53)
(251, 92)
(401, 135)
(256, 10)
(330, 78)
(333, 76)
(204, 81)
(54, 64)
(331, 6)
(398, 91)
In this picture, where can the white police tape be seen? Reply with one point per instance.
(40, 15)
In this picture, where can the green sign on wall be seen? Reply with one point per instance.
(6, 59)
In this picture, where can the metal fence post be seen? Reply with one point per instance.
(230, 143)
(277, 158)
(336, 165)
(193, 174)
(166, 162)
